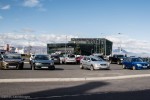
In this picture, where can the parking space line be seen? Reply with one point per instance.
(72, 79)
(26, 62)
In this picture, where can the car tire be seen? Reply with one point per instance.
(123, 66)
(91, 68)
(118, 62)
(133, 68)
(81, 66)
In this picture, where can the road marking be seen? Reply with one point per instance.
(72, 79)
(26, 62)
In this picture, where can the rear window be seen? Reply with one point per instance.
(71, 56)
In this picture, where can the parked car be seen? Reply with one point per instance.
(93, 62)
(69, 58)
(116, 58)
(11, 61)
(78, 59)
(41, 61)
(56, 58)
(134, 63)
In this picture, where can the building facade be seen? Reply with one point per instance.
(82, 46)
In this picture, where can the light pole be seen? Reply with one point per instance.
(66, 45)
(120, 43)
(105, 43)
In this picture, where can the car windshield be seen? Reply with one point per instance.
(137, 60)
(12, 56)
(120, 56)
(96, 59)
(41, 57)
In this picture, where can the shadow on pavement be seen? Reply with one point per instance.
(80, 92)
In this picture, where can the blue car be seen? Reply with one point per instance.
(134, 63)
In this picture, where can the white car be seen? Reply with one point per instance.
(69, 58)
(93, 62)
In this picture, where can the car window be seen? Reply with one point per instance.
(11, 56)
(137, 60)
(96, 59)
(71, 56)
(41, 57)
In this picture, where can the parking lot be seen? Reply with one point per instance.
(68, 71)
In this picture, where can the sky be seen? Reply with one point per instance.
(38, 22)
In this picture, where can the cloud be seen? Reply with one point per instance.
(6, 7)
(31, 3)
(34, 3)
(33, 39)
(129, 44)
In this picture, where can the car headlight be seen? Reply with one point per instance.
(37, 63)
(139, 65)
(5, 63)
(52, 63)
(121, 59)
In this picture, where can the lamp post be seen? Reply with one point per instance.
(120, 43)
(66, 45)
(105, 44)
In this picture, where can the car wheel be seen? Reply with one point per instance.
(118, 62)
(81, 66)
(52, 68)
(123, 66)
(133, 68)
(61, 62)
(110, 62)
(91, 68)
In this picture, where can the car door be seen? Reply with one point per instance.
(88, 64)
(128, 63)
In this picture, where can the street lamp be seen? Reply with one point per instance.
(120, 43)
(105, 43)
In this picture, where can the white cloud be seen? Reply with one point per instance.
(129, 44)
(33, 39)
(6, 7)
(31, 3)
(34, 3)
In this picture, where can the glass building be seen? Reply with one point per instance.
(82, 46)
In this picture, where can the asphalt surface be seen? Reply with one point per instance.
(135, 88)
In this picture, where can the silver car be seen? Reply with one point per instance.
(93, 62)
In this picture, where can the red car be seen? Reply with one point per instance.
(78, 59)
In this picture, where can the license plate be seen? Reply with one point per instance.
(44, 67)
(144, 66)
(12, 66)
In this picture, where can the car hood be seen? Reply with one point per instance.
(43, 61)
(12, 60)
(100, 62)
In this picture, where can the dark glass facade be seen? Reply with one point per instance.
(83, 46)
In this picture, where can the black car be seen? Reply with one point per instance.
(41, 61)
(11, 61)
(56, 59)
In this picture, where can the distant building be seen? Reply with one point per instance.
(83, 46)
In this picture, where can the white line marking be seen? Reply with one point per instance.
(26, 62)
(72, 79)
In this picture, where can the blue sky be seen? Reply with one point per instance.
(81, 18)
